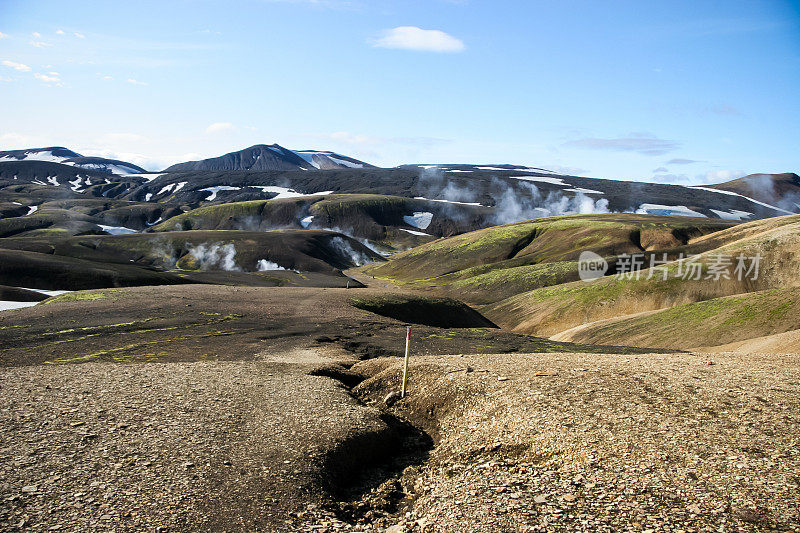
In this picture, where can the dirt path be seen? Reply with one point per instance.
(568, 334)
(236, 446)
(370, 281)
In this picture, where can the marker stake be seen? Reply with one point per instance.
(405, 363)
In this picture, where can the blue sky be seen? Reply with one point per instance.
(672, 91)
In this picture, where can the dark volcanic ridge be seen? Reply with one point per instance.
(59, 154)
(272, 157)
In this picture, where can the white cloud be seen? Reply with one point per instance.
(719, 176)
(16, 66)
(571, 171)
(59, 32)
(12, 141)
(135, 82)
(217, 127)
(145, 161)
(681, 161)
(108, 77)
(79, 35)
(39, 44)
(47, 78)
(676, 179)
(36, 35)
(414, 38)
(642, 143)
(3, 35)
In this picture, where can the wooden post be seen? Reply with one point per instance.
(405, 363)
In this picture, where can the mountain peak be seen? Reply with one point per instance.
(272, 157)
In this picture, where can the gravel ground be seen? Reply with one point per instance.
(523, 442)
(217, 446)
(580, 442)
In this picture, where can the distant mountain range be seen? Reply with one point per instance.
(65, 156)
(272, 157)
(453, 197)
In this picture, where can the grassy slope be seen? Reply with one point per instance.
(550, 310)
(720, 320)
(292, 249)
(372, 216)
(488, 265)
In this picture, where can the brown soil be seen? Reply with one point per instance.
(577, 442)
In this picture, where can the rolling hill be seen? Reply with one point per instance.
(525, 277)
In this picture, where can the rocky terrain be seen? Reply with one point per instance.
(218, 347)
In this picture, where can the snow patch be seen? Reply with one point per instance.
(412, 232)
(583, 191)
(445, 201)
(308, 157)
(117, 230)
(306, 222)
(734, 214)
(731, 193)
(670, 210)
(542, 179)
(216, 189)
(344, 162)
(420, 219)
(7, 306)
(284, 192)
(32, 209)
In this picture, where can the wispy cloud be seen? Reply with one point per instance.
(660, 170)
(147, 162)
(39, 44)
(681, 179)
(3, 35)
(417, 39)
(79, 35)
(135, 82)
(641, 143)
(59, 32)
(570, 171)
(51, 78)
(718, 176)
(16, 66)
(218, 127)
(679, 161)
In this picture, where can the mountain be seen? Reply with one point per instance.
(272, 157)
(65, 156)
(512, 193)
(781, 190)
